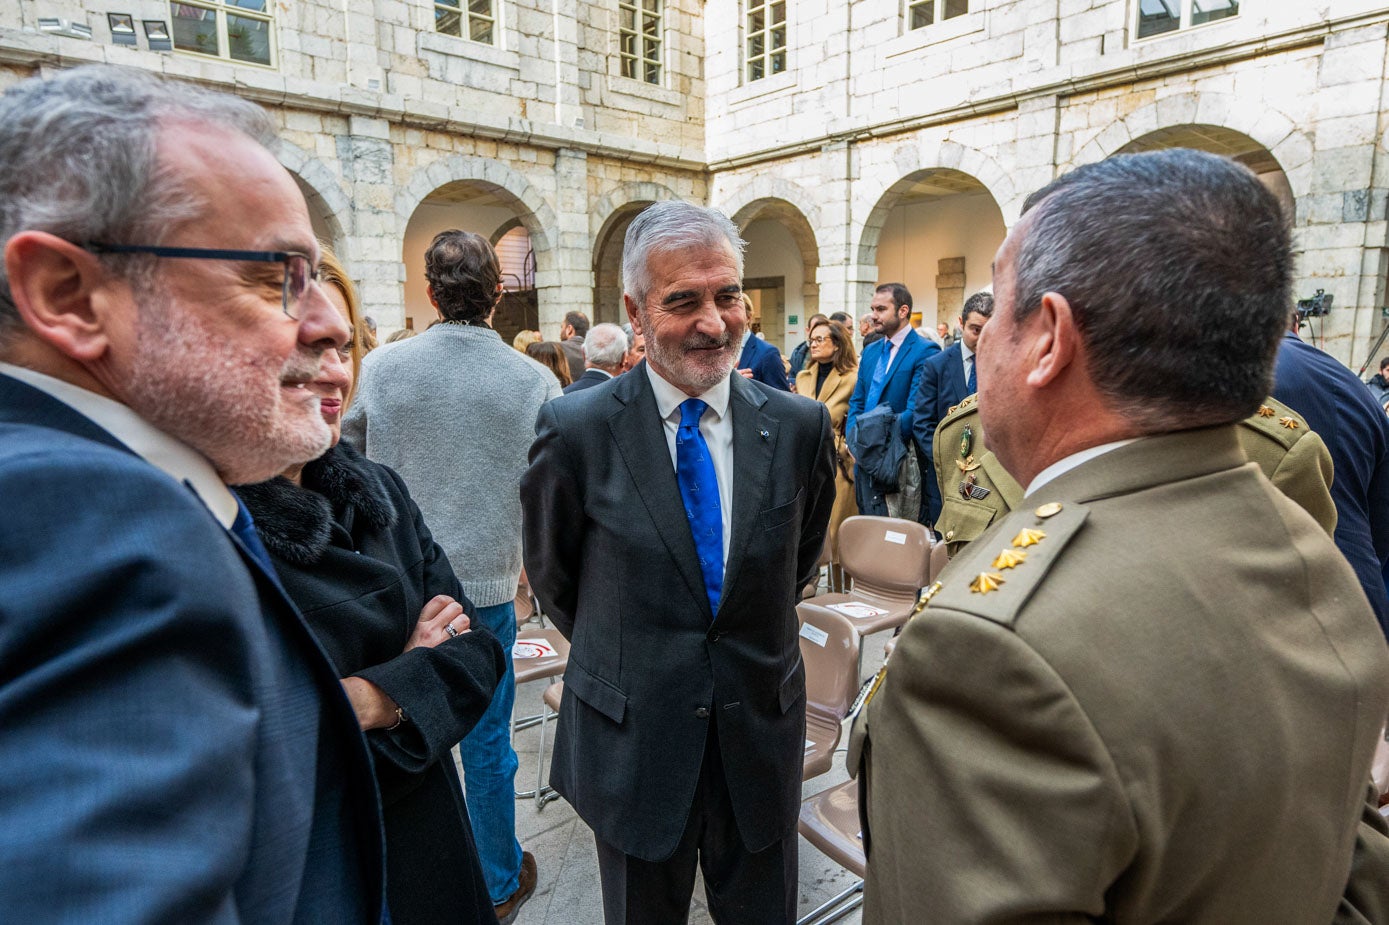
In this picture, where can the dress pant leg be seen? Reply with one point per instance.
(637, 892)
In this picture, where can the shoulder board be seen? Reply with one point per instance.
(994, 576)
(1276, 420)
(967, 405)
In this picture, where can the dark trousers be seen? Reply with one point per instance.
(742, 887)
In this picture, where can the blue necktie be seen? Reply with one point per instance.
(972, 384)
(245, 530)
(879, 380)
(699, 490)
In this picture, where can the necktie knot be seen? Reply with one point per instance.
(691, 410)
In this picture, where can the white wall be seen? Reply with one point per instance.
(917, 235)
(428, 221)
(773, 252)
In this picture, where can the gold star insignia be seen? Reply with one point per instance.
(1265, 411)
(1027, 537)
(1050, 509)
(1009, 558)
(1289, 423)
(986, 582)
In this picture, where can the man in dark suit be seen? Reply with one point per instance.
(1341, 410)
(682, 726)
(888, 373)
(946, 379)
(571, 341)
(176, 747)
(761, 361)
(605, 350)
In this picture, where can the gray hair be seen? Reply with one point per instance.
(668, 226)
(605, 346)
(79, 160)
(1177, 266)
(632, 335)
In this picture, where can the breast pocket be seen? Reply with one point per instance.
(782, 514)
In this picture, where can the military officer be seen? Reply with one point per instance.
(1152, 691)
(976, 489)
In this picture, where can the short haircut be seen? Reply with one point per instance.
(981, 304)
(673, 225)
(814, 320)
(578, 321)
(1383, 363)
(605, 346)
(901, 295)
(841, 318)
(845, 356)
(1145, 247)
(79, 159)
(463, 273)
(627, 329)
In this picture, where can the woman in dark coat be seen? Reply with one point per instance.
(352, 550)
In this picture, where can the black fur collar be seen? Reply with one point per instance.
(296, 523)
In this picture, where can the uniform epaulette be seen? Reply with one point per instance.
(1276, 420)
(968, 404)
(995, 575)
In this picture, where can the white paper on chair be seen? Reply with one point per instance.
(857, 610)
(532, 648)
(809, 745)
(814, 634)
(892, 536)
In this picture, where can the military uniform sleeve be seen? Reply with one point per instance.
(552, 519)
(1304, 475)
(990, 796)
(1366, 899)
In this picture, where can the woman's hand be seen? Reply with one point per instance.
(437, 618)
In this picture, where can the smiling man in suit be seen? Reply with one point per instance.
(682, 726)
(176, 746)
(889, 372)
(946, 379)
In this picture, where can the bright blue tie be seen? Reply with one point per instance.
(879, 380)
(972, 385)
(699, 490)
(245, 530)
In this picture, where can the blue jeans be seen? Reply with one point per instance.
(489, 770)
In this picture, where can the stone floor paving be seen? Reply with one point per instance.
(568, 892)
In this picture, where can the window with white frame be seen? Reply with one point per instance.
(766, 38)
(922, 13)
(1158, 16)
(475, 20)
(639, 39)
(240, 30)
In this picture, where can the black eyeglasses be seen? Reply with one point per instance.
(299, 268)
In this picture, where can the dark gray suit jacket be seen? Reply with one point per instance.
(610, 556)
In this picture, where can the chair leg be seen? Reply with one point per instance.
(833, 910)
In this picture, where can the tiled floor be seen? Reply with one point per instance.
(568, 891)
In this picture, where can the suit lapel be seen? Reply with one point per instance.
(903, 359)
(754, 446)
(637, 430)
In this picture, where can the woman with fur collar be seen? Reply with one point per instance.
(353, 552)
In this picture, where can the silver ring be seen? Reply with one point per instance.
(448, 628)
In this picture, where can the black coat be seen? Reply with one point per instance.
(354, 553)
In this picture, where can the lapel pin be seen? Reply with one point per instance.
(766, 434)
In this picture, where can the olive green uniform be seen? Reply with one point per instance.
(1150, 694)
(1276, 437)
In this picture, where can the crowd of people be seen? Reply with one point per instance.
(1148, 687)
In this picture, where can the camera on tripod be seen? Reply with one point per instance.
(1315, 307)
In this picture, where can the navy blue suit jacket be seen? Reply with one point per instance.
(942, 386)
(588, 380)
(902, 379)
(1339, 408)
(176, 747)
(764, 360)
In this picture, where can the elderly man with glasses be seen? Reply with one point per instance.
(176, 747)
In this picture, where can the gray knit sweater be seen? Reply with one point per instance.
(453, 411)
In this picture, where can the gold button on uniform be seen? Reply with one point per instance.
(1050, 509)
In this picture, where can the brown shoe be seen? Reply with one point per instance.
(506, 912)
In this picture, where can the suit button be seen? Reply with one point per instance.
(715, 636)
(702, 713)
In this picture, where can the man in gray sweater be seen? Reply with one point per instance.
(453, 411)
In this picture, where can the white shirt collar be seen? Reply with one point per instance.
(901, 335)
(669, 398)
(1074, 461)
(180, 461)
(968, 353)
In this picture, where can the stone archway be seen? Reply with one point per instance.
(330, 208)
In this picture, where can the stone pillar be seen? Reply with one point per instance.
(844, 285)
(568, 285)
(372, 249)
(950, 290)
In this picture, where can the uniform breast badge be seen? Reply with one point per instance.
(967, 442)
(970, 491)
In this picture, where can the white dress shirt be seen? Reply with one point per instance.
(968, 359)
(1062, 466)
(894, 343)
(180, 461)
(717, 428)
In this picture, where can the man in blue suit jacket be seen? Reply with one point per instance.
(946, 379)
(764, 360)
(176, 746)
(1339, 408)
(888, 373)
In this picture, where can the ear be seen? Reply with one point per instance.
(62, 292)
(1052, 342)
(429, 291)
(630, 304)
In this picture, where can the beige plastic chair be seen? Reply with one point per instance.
(829, 821)
(814, 586)
(830, 650)
(536, 669)
(890, 560)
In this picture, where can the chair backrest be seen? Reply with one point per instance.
(886, 554)
(829, 648)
